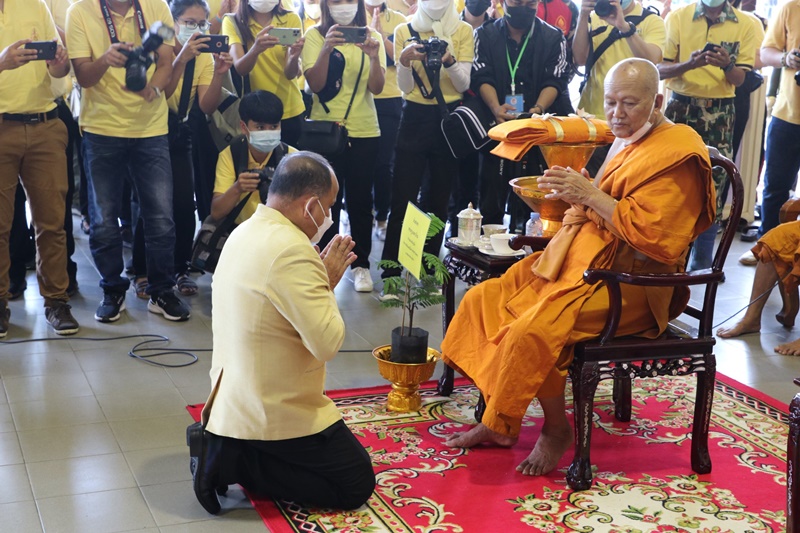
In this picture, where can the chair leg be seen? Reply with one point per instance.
(622, 399)
(480, 407)
(792, 464)
(445, 386)
(585, 378)
(701, 459)
(791, 303)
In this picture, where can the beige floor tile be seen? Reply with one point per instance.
(49, 387)
(38, 364)
(6, 420)
(148, 433)
(160, 465)
(3, 398)
(16, 486)
(142, 404)
(137, 378)
(174, 503)
(20, 517)
(65, 442)
(10, 452)
(194, 375)
(229, 521)
(45, 414)
(197, 394)
(96, 512)
(79, 475)
(99, 359)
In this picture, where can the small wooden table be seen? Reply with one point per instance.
(471, 266)
(792, 464)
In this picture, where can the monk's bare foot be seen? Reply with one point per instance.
(478, 435)
(790, 348)
(742, 327)
(552, 444)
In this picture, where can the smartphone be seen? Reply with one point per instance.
(216, 44)
(710, 47)
(286, 36)
(46, 49)
(354, 34)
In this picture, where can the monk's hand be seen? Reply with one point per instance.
(567, 185)
(336, 257)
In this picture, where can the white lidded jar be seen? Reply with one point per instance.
(469, 226)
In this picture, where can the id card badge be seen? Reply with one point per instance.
(516, 101)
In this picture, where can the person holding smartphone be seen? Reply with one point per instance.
(265, 64)
(362, 69)
(32, 145)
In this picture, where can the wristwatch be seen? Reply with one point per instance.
(630, 31)
(448, 65)
(729, 67)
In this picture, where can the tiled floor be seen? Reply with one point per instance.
(92, 440)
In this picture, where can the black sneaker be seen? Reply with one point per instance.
(59, 316)
(17, 289)
(5, 315)
(169, 305)
(112, 305)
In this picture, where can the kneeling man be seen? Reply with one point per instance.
(267, 424)
(513, 336)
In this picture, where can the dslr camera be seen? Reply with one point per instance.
(433, 48)
(796, 74)
(141, 57)
(264, 179)
(603, 8)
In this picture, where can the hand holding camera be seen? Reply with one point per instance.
(248, 181)
(717, 57)
(412, 52)
(371, 47)
(114, 57)
(140, 58)
(432, 52)
(610, 11)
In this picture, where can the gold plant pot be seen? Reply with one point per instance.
(405, 378)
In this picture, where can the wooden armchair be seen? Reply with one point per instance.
(792, 464)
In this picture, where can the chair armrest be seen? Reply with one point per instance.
(537, 244)
(676, 279)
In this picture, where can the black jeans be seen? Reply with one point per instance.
(420, 146)
(204, 161)
(73, 137)
(389, 120)
(354, 170)
(21, 246)
(329, 469)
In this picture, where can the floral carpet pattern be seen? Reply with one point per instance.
(643, 478)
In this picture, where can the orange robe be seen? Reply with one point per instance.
(513, 335)
(781, 246)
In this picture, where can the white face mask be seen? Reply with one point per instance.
(638, 134)
(327, 222)
(343, 14)
(374, 3)
(263, 6)
(184, 33)
(265, 141)
(435, 9)
(312, 11)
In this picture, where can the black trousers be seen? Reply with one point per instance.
(496, 195)
(204, 161)
(21, 246)
(354, 169)
(420, 146)
(329, 469)
(290, 129)
(73, 137)
(389, 119)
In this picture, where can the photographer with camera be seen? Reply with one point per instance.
(433, 54)
(124, 120)
(32, 145)
(244, 168)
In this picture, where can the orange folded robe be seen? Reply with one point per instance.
(518, 136)
(513, 335)
(781, 246)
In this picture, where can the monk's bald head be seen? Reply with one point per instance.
(631, 95)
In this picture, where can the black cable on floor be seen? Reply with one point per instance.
(757, 298)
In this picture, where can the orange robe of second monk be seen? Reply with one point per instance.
(513, 335)
(781, 246)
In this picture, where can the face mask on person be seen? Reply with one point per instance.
(374, 3)
(263, 6)
(625, 4)
(477, 8)
(520, 17)
(343, 14)
(712, 3)
(184, 33)
(265, 141)
(638, 134)
(312, 11)
(327, 222)
(435, 9)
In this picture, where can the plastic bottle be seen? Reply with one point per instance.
(534, 226)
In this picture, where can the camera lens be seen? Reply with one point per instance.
(603, 8)
(797, 77)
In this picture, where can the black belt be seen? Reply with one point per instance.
(701, 102)
(31, 118)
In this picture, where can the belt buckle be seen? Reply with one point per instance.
(33, 119)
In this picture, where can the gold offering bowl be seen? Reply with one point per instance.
(552, 211)
(405, 378)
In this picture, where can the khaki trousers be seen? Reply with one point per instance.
(33, 154)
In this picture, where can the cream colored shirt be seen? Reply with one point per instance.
(275, 325)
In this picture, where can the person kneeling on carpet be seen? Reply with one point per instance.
(267, 424)
(513, 336)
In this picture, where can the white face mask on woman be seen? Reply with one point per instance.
(312, 11)
(343, 14)
(327, 222)
(263, 6)
(435, 9)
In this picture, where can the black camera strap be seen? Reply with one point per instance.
(186, 90)
(433, 78)
(112, 28)
(353, 96)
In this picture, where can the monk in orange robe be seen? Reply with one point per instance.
(513, 336)
(778, 254)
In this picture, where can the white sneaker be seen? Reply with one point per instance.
(748, 259)
(384, 297)
(362, 280)
(380, 230)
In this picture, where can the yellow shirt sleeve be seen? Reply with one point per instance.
(654, 31)
(226, 175)
(673, 30)
(776, 31)
(77, 40)
(749, 43)
(230, 29)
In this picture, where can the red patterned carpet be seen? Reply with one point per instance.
(643, 482)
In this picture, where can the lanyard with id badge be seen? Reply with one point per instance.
(514, 99)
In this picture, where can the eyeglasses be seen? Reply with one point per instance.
(202, 26)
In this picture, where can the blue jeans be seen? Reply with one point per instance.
(110, 161)
(783, 162)
(703, 249)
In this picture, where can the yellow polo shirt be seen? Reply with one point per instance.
(267, 74)
(362, 122)
(783, 33)
(107, 108)
(652, 30)
(58, 8)
(688, 30)
(389, 21)
(462, 48)
(26, 89)
(226, 176)
(203, 74)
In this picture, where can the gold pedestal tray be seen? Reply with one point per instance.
(405, 379)
(564, 155)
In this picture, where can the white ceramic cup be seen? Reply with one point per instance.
(491, 229)
(500, 243)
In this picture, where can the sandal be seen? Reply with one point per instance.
(186, 285)
(140, 286)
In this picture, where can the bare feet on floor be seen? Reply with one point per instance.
(552, 444)
(477, 435)
(740, 328)
(790, 348)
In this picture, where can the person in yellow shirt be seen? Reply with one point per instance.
(265, 64)
(219, 8)
(126, 129)
(309, 13)
(32, 146)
